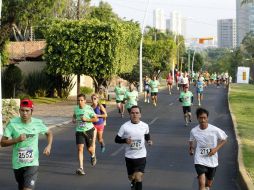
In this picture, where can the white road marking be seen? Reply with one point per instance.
(152, 122)
(171, 104)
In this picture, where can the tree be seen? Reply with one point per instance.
(246, 1)
(91, 47)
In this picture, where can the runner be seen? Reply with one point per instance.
(209, 139)
(186, 97)
(200, 89)
(146, 90)
(131, 97)
(102, 94)
(154, 89)
(84, 117)
(185, 80)
(23, 133)
(133, 133)
(169, 82)
(120, 91)
(101, 113)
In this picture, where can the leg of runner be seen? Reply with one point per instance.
(101, 140)
(189, 116)
(80, 171)
(202, 182)
(186, 119)
(199, 99)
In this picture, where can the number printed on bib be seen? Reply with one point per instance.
(136, 145)
(204, 151)
(25, 155)
(82, 124)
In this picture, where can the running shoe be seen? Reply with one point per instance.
(93, 161)
(145, 100)
(148, 101)
(80, 171)
(103, 149)
(122, 115)
(132, 185)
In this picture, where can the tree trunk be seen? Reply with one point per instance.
(78, 84)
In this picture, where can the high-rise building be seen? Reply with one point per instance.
(226, 33)
(177, 23)
(159, 21)
(244, 20)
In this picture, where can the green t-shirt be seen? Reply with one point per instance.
(154, 85)
(25, 153)
(186, 98)
(131, 98)
(120, 91)
(86, 112)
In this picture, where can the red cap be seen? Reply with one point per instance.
(26, 103)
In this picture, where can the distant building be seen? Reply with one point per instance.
(159, 21)
(226, 33)
(168, 24)
(177, 23)
(244, 20)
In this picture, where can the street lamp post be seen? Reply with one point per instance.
(140, 50)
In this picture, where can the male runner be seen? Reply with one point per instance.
(84, 117)
(131, 97)
(209, 139)
(120, 92)
(200, 89)
(186, 97)
(23, 133)
(133, 134)
(154, 84)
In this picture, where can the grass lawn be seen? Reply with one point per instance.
(44, 100)
(241, 99)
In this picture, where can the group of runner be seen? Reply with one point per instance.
(22, 133)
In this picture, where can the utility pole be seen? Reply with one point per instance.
(78, 75)
(140, 50)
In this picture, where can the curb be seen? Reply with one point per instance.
(244, 179)
(59, 124)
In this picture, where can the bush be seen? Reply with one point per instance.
(11, 81)
(37, 84)
(10, 109)
(67, 86)
(86, 90)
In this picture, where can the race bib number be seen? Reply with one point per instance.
(204, 151)
(82, 124)
(136, 145)
(186, 98)
(25, 155)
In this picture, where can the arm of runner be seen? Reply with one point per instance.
(120, 140)
(216, 149)
(104, 112)
(9, 142)
(93, 119)
(74, 118)
(148, 139)
(191, 147)
(47, 149)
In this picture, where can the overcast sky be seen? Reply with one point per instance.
(201, 15)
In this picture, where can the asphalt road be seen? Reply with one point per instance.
(169, 166)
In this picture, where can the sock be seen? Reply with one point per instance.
(138, 186)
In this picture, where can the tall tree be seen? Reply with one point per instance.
(246, 1)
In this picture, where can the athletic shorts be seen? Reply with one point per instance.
(186, 109)
(170, 83)
(85, 137)
(154, 93)
(135, 165)
(26, 177)
(147, 91)
(99, 127)
(200, 92)
(208, 171)
(120, 101)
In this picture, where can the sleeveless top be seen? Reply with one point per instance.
(98, 111)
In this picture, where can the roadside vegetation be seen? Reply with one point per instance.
(241, 99)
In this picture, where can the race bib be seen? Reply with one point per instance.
(204, 151)
(186, 98)
(82, 124)
(25, 155)
(136, 145)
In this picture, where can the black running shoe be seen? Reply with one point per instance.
(93, 161)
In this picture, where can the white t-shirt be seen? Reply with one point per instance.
(206, 139)
(185, 80)
(137, 133)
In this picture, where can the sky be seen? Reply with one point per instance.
(201, 15)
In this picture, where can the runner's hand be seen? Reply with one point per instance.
(212, 152)
(128, 140)
(150, 142)
(47, 150)
(21, 138)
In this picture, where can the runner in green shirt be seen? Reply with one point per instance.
(120, 92)
(186, 97)
(131, 97)
(154, 84)
(23, 133)
(84, 117)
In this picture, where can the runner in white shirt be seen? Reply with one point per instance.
(133, 134)
(208, 139)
